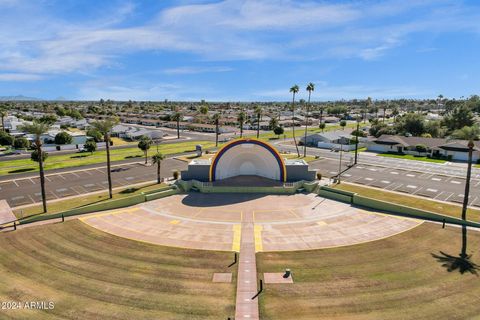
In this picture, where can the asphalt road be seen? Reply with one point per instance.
(26, 190)
(414, 181)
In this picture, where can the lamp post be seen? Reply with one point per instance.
(340, 163)
(467, 182)
(356, 141)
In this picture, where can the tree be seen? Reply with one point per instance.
(105, 127)
(216, 119)
(3, 114)
(157, 159)
(49, 119)
(368, 105)
(38, 129)
(310, 88)
(461, 117)
(258, 113)
(177, 116)
(273, 123)
(412, 123)
(395, 113)
(204, 109)
(95, 134)
(21, 143)
(470, 134)
(241, 120)
(322, 126)
(144, 144)
(384, 107)
(278, 131)
(90, 146)
(294, 90)
(343, 123)
(6, 139)
(63, 138)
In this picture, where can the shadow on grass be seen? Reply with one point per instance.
(80, 156)
(21, 170)
(135, 156)
(129, 190)
(462, 262)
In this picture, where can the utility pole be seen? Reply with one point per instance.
(356, 141)
(340, 163)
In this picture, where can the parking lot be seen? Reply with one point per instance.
(425, 184)
(27, 190)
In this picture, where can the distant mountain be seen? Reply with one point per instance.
(18, 98)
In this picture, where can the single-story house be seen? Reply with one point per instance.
(435, 147)
(332, 140)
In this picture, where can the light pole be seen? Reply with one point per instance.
(467, 182)
(340, 163)
(356, 140)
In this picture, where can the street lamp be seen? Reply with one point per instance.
(356, 140)
(467, 182)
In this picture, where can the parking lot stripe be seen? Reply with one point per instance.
(31, 180)
(455, 182)
(15, 182)
(432, 190)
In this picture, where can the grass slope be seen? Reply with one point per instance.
(394, 278)
(93, 275)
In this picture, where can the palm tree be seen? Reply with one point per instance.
(384, 107)
(3, 114)
(216, 119)
(258, 113)
(104, 127)
(294, 90)
(177, 116)
(157, 159)
(37, 129)
(241, 120)
(310, 88)
(369, 103)
(470, 134)
(144, 144)
(395, 113)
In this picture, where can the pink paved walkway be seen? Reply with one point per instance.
(245, 307)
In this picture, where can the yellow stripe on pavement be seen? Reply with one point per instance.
(257, 231)
(237, 235)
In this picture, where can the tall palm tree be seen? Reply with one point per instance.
(241, 120)
(177, 116)
(3, 114)
(216, 119)
(258, 113)
(384, 107)
(37, 129)
(157, 159)
(105, 127)
(310, 88)
(369, 104)
(470, 134)
(144, 144)
(294, 90)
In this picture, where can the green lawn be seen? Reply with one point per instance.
(390, 279)
(85, 158)
(410, 157)
(415, 202)
(89, 274)
(300, 132)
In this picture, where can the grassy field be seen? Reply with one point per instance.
(81, 159)
(300, 132)
(89, 274)
(415, 202)
(410, 157)
(394, 278)
(63, 205)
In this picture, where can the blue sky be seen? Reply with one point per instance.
(239, 50)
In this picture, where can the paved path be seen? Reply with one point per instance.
(246, 307)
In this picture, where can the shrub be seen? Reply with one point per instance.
(21, 143)
(90, 146)
(63, 138)
(176, 174)
(319, 176)
(420, 148)
(6, 139)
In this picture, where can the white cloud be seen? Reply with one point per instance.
(227, 30)
(19, 77)
(195, 70)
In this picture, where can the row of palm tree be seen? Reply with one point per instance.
(37, 129)
(294, 90)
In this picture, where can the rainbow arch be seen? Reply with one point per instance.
(228, 146)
